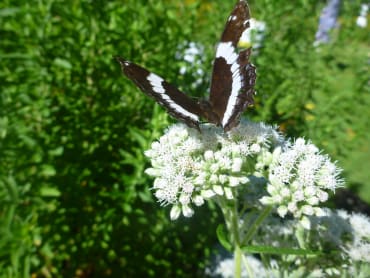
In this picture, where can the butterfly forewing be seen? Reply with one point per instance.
(233, 76)
(236, 24)
(176, 102)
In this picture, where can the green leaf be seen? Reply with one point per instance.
(48, 170)
(9, 11)
(145, 197)
(49, 192)
(57, 151)
(222, 237)
(62, 63)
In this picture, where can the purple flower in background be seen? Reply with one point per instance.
(328, 21)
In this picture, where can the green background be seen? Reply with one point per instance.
(74, 201)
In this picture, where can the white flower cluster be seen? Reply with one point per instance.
(191, 166)
(299, 180)
(224, 267)
(359, 248)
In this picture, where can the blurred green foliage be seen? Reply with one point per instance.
(74, 201)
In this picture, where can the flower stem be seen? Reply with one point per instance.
(256, 224)
(236, 237)
(237, 261)
(235, 224)
(299, 234)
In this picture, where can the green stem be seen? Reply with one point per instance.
(244, 209)
(231, 216)
(236, 237)
(235, 224)
(237, 261)
(256, 224)
(226, 213)
(299, 234)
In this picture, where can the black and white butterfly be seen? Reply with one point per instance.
(232, 81)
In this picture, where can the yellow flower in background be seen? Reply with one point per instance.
(310, 106)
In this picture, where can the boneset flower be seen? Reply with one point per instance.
(299, 178)
(190, 166)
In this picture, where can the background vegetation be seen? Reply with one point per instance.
(74, 201)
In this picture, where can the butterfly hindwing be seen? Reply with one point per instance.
(174, 101)
(244, 99)
(233, 76)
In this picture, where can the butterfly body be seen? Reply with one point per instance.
(232, 81)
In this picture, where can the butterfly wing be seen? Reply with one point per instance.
(178, 104)
(233, 75)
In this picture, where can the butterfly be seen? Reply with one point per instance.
(232, 81)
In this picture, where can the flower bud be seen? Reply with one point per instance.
(187, 211)
(175, 212)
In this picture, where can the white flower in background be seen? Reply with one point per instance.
(358, 248)
(361, 20)
(190, 166)
(331, 229)
(345, 232)
(254, 35)
(361, 227)
(299, 180)
(224, 267)
(348, 234)
(191, 55)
